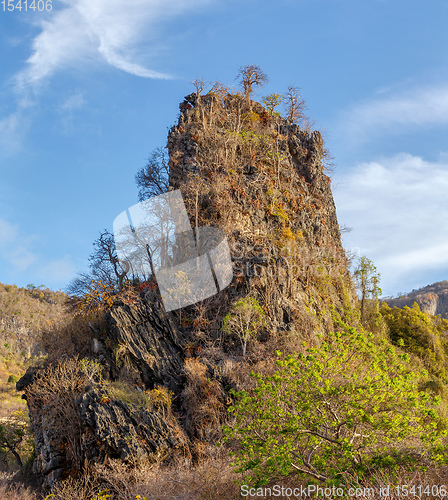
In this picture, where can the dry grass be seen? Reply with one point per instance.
(26, 315)
(10, 400)
(203, 403)
(210, 479)
(12, 489)
(55, 389)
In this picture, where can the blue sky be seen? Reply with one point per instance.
(88, 90)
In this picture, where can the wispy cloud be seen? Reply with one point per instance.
(399, 112)
(14, 249)
(59, 270)
(100, 30)
(74, 101)
(84, 34)
(398, 211)
(67, 111)
(14, 126)
(8, 232)
(18, 255)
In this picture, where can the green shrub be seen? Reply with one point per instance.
(418, 333)
(244, 319)
(332, 412)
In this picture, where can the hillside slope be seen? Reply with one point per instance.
(432, 299)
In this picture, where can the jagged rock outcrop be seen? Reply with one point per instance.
(114, 429)
(432, 299)
(151, 338)
(261, 180)
(218, 137)
(73, 426)
(75, 423)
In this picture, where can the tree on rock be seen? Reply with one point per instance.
(295, 105)
(153, 179)
(245, 318)
(250, 76)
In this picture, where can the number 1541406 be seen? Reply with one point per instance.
(40, 5)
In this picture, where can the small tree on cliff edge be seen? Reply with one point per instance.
(295, 105)
(250, 76)
(245, 318)
(367, 281)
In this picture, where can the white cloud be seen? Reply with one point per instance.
(67, 110)
(413, 108)
(84, 33)
(106, 30)
(13, 127)
(398, 211)
(60, 270)
(8, 233)
(14, 249)
(75, 101)
(18, 255)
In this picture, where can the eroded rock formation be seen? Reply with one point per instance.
(432, 299)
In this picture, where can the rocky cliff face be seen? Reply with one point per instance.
(96, 428)
(261, 179)
(432, 299)
(271, 171)
(151, 339)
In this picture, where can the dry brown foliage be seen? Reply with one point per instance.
(56, 389)
(203, 403)
(75, 336)
(210, 479)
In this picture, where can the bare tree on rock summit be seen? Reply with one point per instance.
(250, 76)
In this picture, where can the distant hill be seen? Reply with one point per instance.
(24, 315)
(432, 299)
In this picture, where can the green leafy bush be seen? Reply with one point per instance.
(332, 413)
(420, 334)
(244, 319)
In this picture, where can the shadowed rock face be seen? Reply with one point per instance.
(151, 338)
(432, 299)
(114, 429)
(102, 428)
